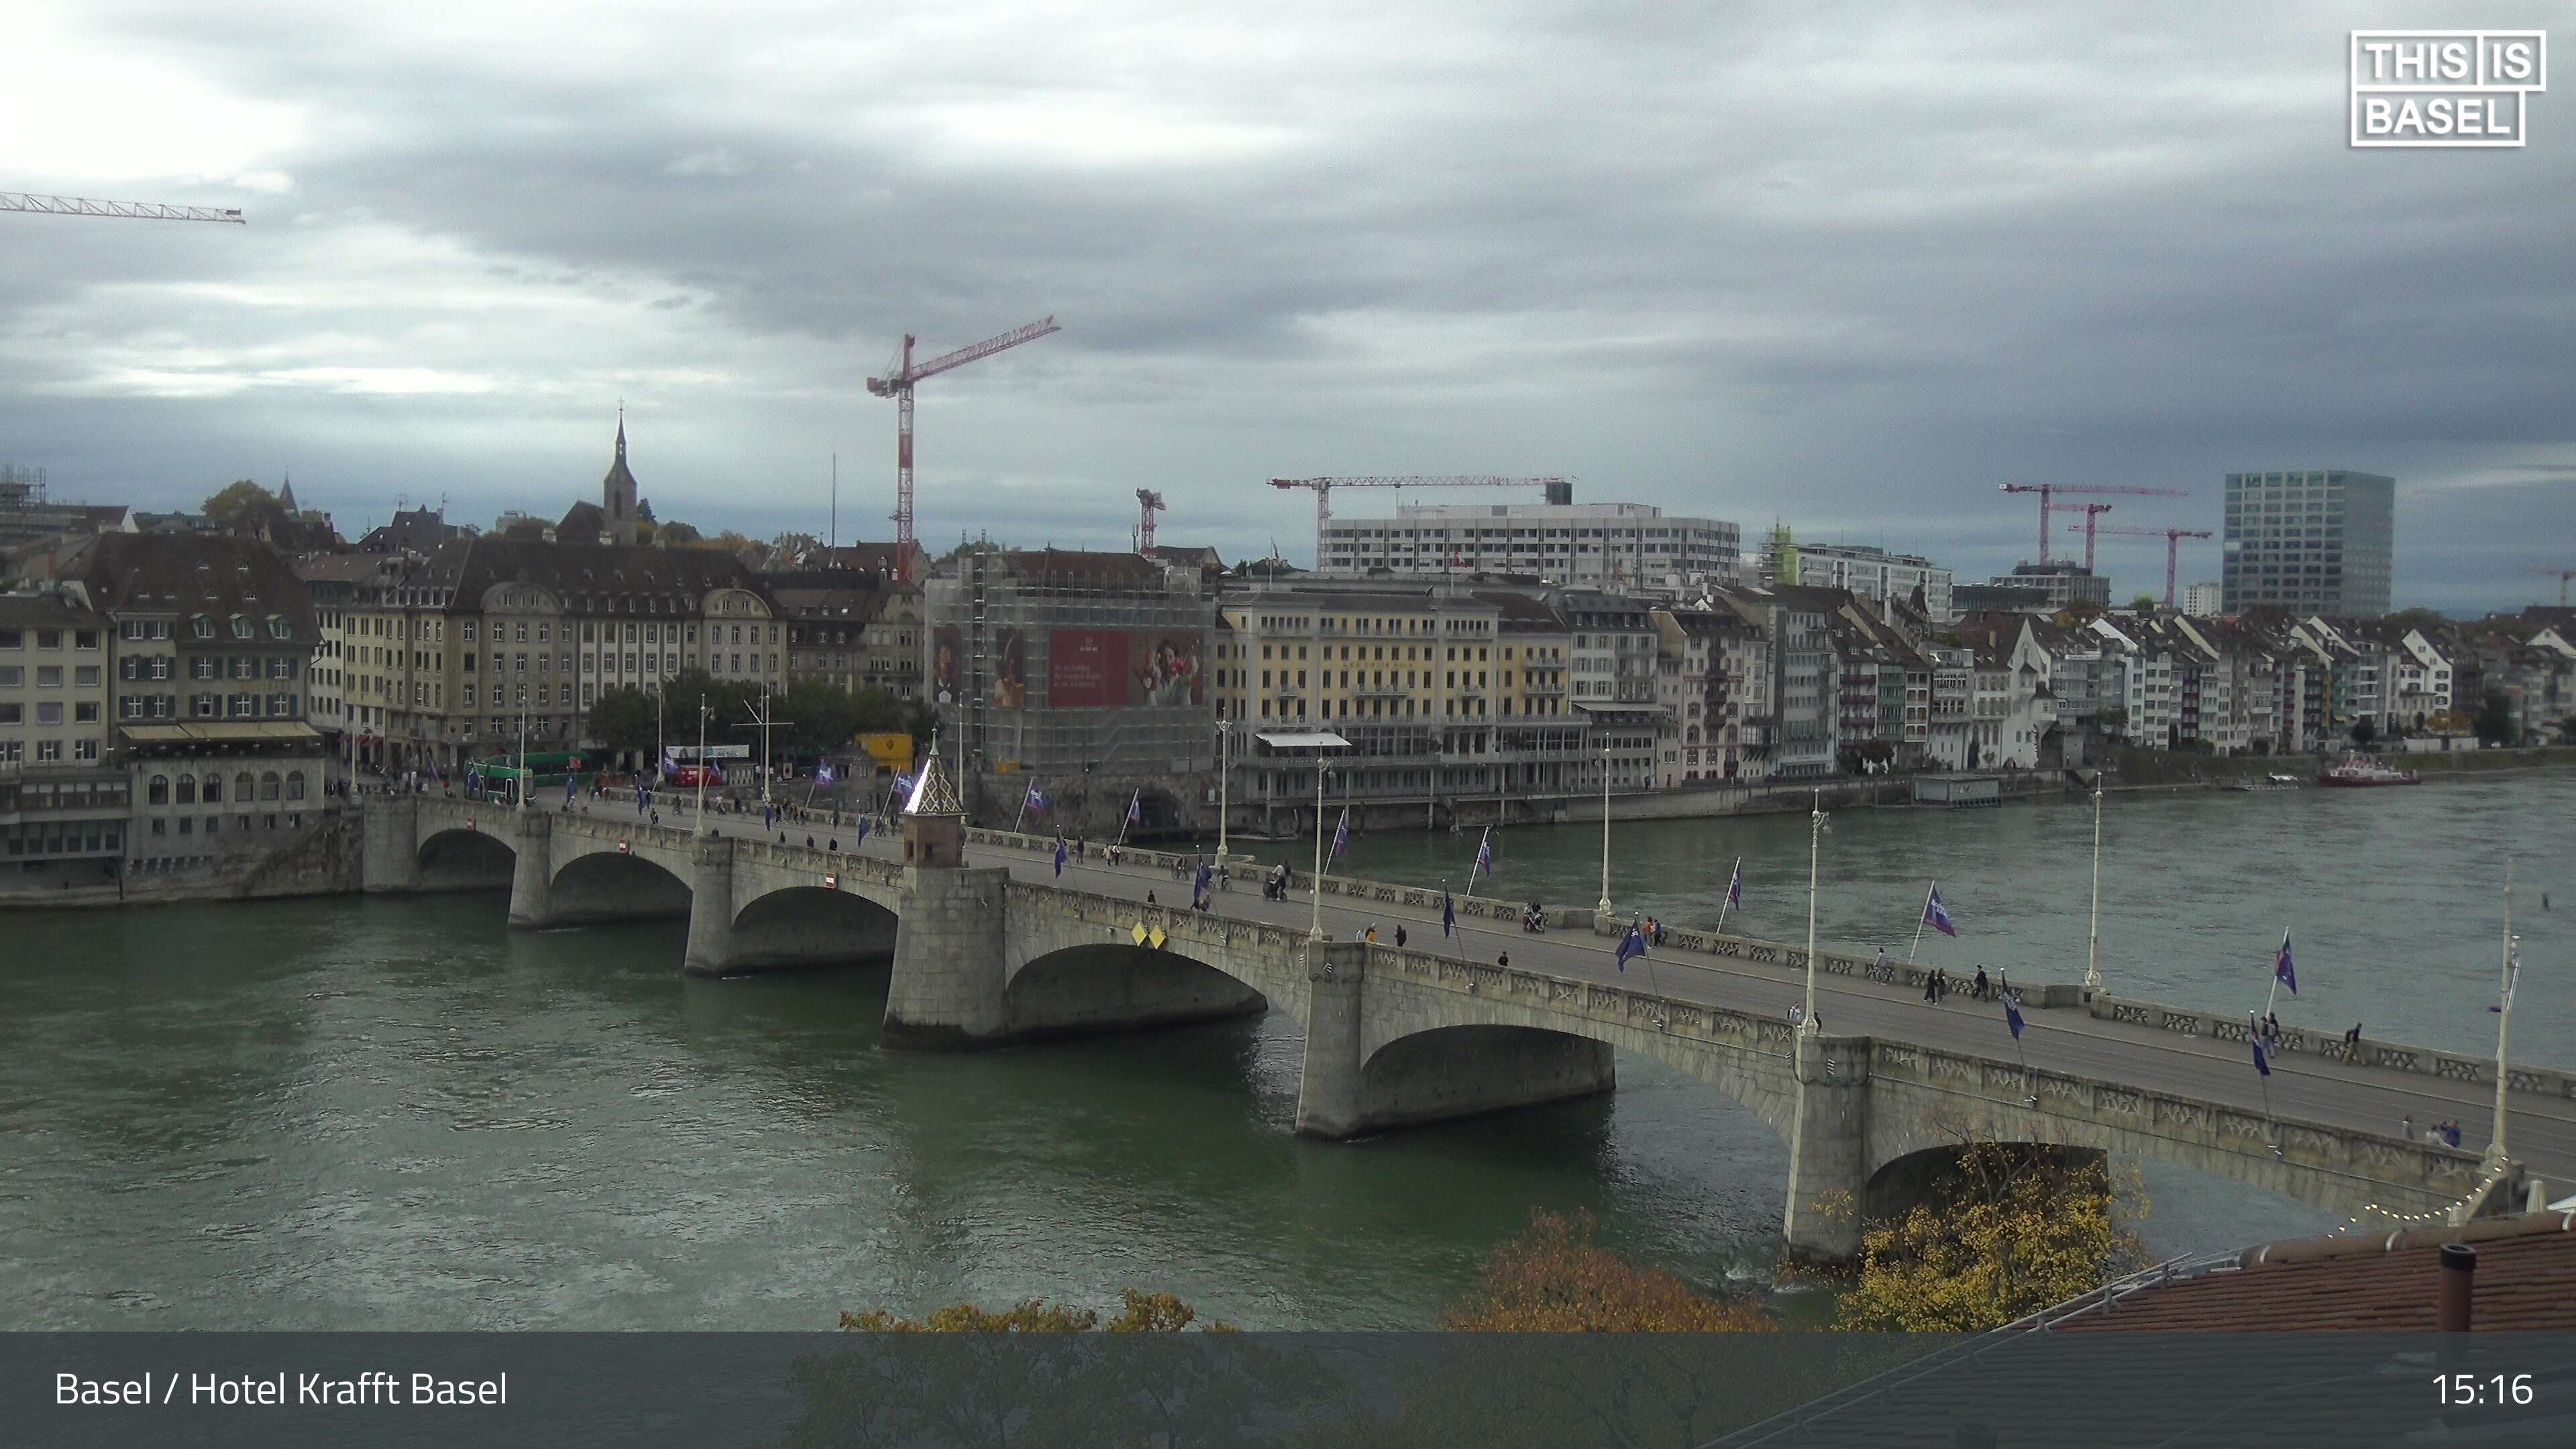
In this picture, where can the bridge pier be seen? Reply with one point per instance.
(951, 954)
(710, 907)
(389, 849)
(1329, 1096)
(1828, 1150)
(532, 875)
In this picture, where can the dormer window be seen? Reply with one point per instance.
(241, 626)
(278, 628)
(201, 626)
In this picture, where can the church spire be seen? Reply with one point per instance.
(621, 427)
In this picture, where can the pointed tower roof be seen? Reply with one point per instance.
(932, 794)
(286, 496)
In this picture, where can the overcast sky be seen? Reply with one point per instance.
(1847, 267)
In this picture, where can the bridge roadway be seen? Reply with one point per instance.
(990, 946)
(2540, 1131)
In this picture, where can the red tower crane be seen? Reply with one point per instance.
(1149, 503)
(1559, 490)
(2091, 511)
(900, 374)
(2048, 491)
(2561, 575)
(2173, 538)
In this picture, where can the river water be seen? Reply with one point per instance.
(398, 1113)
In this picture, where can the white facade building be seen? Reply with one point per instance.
(1872, 573)
(1634, 547)
(2203, 601)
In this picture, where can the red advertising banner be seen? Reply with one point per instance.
(1086, 668)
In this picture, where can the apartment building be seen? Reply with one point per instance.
(63, 801)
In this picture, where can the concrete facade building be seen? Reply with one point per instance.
(1632, 546)
(2315, 542)
(852, 630)
(2204, 601)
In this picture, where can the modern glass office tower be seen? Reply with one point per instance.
(2316, 542)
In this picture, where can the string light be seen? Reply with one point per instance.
(2494, 1174)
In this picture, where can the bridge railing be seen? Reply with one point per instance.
(2335, 1047)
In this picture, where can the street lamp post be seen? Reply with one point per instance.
(1224, 738)
(1315, 924)
(524, 791)
(2504, 1021)
(2093, 948)
(1602, 910)
(702, 767)
(1815, 851)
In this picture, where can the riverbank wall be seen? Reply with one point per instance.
(321, 859)
(2133, 767)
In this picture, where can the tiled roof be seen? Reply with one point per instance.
(45, 611)
(2526, 1279)
(195, 574)
(640, 579)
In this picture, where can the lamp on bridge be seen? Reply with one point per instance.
(934, 820)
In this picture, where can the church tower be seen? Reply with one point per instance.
(617, 503)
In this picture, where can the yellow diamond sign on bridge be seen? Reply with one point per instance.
(1158, 938)
(1138, 931)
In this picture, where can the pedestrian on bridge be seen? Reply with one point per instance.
(1369, 935)
(1399, 936)
(1980, 989)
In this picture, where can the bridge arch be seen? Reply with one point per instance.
(1456, 1071)
(810, 926)
(1113, 986)
(464, 860)
(613, 885)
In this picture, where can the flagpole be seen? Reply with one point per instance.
(1130, 815)
(1477, 862)
(2093, 941)
(2504, 1021)
(1024, 812)
(2274, 994)
(1919, 918)
(1727, 902)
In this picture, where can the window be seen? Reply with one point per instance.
(158, 792)
(269, 784)
(295, 784)
(85, 712)
(241, 626)
(242, 786)
(48, 751)
(187, 789)
(278, 628)
(85, 749)
(49, 714)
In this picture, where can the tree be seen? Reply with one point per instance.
(2144, 603)
(2000, 1232)
(2364, 731)
(623, 718)
(2495, 723)
(2114, 719)
(675, 534)
(236, 498)
(796, 545)
(1553, 1278)
(2427, 619)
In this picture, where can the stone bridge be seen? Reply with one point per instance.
(983, 957)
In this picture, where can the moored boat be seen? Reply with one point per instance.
(2356, 768)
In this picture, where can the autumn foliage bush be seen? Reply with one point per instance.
(1553, 1278)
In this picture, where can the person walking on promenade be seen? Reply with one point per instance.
(1931, 984)
(1399, 936)
(1370, 935)
(1980, 990)
(1503, 958)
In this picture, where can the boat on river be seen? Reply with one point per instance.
(2357, 769)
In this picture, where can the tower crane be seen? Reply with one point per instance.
(1149, 503)
(2048, 491)
(2173, 538)
(2561, 575)
(900, 375)
(2091, 511)
(138, 210)
(1559, 490)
